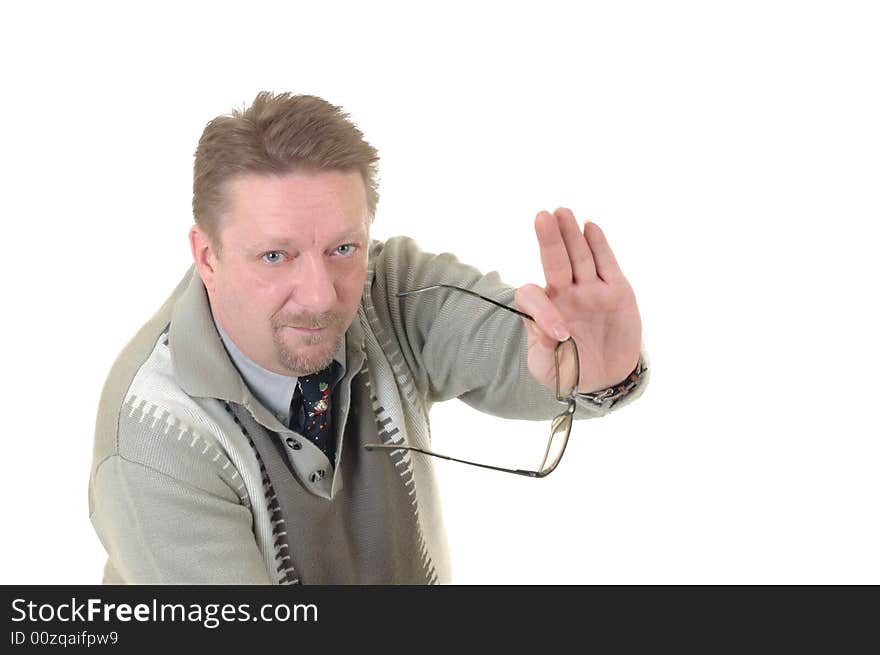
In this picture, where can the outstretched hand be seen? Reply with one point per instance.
(586, 297)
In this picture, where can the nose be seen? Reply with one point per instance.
(315, 289)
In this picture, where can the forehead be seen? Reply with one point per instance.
(307, 203)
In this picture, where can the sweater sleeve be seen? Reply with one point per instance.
(158, 529)
(458, 346)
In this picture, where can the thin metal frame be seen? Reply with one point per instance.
(565, 419)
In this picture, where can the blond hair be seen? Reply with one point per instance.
(277, 135)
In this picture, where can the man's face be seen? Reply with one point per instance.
(290, 274)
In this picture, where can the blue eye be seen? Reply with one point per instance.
(345, 249)
(272, 257)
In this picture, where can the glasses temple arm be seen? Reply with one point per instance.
(376, 446)
(403, 294)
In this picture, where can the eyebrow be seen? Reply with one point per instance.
(286, 241)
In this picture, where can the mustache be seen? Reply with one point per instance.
(313, 321)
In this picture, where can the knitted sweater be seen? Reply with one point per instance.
(191, 481)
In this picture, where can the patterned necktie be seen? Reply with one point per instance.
(310, 411)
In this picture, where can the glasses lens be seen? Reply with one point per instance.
(560, 430)
(566, 369)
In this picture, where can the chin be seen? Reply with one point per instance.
(305, 358)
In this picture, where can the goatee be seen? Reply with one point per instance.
(299, 362)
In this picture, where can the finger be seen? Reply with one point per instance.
(582, 265)
(533, 300)
(606, 263)
(554, 256)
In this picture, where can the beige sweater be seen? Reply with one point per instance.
(192, 480)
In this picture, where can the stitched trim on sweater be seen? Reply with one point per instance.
(388, 432)
(284, 567)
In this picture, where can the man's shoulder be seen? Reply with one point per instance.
(147, 419)
(401, 254)
(395, 250)
(145, 358)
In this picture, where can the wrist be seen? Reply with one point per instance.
(615, 392)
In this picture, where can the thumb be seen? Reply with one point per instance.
(538, 337)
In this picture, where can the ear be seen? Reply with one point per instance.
(204, 256)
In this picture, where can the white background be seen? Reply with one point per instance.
(730, 151)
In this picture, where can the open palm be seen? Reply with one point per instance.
(586, 297)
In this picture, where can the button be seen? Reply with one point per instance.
(293, 443)
(317, 476)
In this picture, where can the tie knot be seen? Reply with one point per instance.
(316, 386)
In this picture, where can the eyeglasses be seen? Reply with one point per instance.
(567, 372)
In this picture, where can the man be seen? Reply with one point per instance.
(231, 433)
